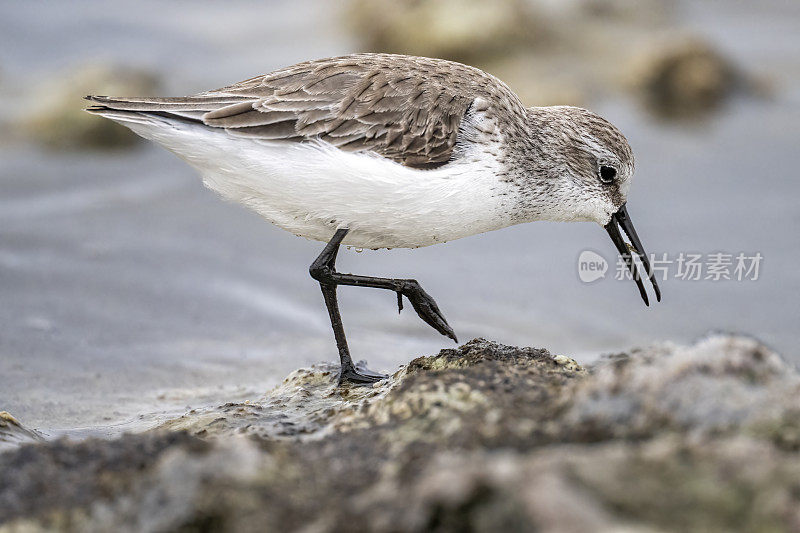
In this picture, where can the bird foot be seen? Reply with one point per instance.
(359, 374)
(425, 306)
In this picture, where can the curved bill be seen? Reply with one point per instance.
(620, 219)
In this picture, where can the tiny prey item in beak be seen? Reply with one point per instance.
(623, 220)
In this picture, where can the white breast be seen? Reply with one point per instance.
(312, 188)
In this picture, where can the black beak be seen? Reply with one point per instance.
(621, 219)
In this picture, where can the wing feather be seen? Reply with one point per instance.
(408, 109)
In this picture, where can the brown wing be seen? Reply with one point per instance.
(407, 109)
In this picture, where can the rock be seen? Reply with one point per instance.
(508, 38)
(470, 31)
(12, 433)
(484, 437)
(58, 477)
(685, 77)
(640, 12)
(59, 121)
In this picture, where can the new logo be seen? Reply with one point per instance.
(591, 266)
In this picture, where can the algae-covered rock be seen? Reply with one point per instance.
(59, 121)
(484, 437)
(53, 480)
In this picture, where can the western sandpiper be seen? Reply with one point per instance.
(391, 151)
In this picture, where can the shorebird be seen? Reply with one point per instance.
(392, 151)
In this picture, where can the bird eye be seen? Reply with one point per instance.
(607, 174)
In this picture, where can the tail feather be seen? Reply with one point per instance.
(149, 103)
(183, 107)
(124, 117)
(167, 128)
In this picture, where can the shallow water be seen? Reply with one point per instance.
(131, 293)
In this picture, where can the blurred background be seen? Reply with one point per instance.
(129, 292)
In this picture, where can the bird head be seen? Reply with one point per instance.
(589, 170)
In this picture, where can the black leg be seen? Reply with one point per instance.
(323, 269)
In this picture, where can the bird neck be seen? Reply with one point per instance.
(535, 165)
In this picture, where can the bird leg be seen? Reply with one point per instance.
(323, 269)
